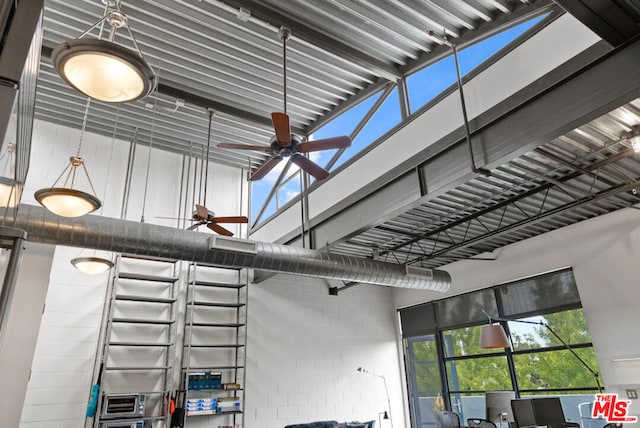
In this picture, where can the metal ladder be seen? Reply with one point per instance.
(215, 334)
(139, 339)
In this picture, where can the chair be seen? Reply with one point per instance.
(447, 419)
(480, 423)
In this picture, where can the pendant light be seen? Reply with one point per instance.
(67, 201)
(10, 189)
(92, 265)
(102, 69)
(95, 265)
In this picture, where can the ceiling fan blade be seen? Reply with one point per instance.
(265, 168)
(243, 147)
(219, 229)
(230, 219)
(325, 144)
(202, 211)
(194, 226)
(282, 128)
(311, 167)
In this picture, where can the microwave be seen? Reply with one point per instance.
(123, 423)
(118, 406)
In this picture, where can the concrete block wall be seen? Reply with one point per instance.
(304, 348)
(65, 354)
(62, 367)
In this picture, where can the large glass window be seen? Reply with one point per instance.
(550, 355)
(424, 377)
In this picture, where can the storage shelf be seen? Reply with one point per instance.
(213, 390)
(212, 413)
(218, 284)
(129, 368)
(142, 321)
(144, 277)
(217, 304)
(232, 345)
(216, 324)
(145, 299)
(215, 299)
(149, 258)
(190, 368)
(140, 418)
(141, 345)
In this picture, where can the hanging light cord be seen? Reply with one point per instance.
(146, 179)
(113, 140)
(284, 70)
(284, 36)
(77, 160)
(153, 124)
(84, 125)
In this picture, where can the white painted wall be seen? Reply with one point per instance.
(63, 362)
(21, 329)
(304, 347)
(604, 254)
(548, 49)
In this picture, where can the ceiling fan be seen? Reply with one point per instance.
(285, 144)
(204, 216)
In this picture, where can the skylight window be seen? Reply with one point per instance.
(423, 87)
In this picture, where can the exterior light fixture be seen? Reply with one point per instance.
(92, 265)
(10, 189)
(102, 69)
(66, 201)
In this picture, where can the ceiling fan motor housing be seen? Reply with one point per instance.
(281, 150)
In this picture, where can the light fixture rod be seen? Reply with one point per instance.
(88, 30)
(595, 374)
(60, 176)
(133, 40)
(284, 34)
(445, 41)
(465, 117)
(84, 125)
(88, 178)
(206, 173)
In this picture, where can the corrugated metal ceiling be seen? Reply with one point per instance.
(340, 51)
(585, 173)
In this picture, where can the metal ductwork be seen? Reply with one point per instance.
(120, 236)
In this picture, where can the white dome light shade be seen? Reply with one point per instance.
(10, 192)
(92, 265)
(103, 70)
(67, 202)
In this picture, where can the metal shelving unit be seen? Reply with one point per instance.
(139, 340)
(215, 337)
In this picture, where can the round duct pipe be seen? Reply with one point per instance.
(143, 239)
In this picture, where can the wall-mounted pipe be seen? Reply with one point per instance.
(120, 236)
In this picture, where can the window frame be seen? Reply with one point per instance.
(509, 354)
